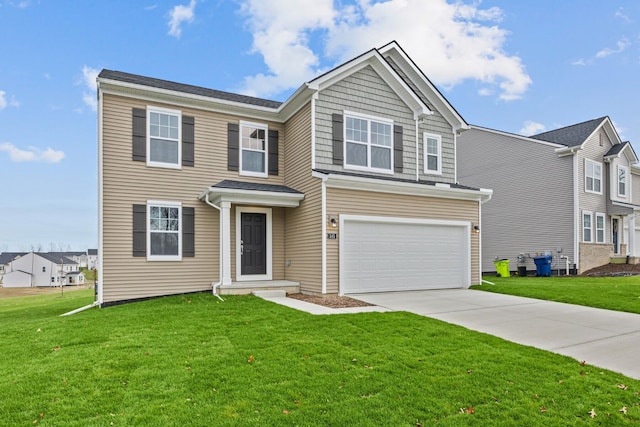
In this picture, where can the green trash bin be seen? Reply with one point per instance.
(502, 267)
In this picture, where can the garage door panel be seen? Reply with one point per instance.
(387, 256)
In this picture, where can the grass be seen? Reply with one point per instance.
(613, 293)
(193, 360)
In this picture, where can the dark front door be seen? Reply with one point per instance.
(614, 237)
(253, 243)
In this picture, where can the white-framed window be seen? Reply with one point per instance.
(622, 181)
(587, 227)
(592, 176)
(600, 228)
(432, 153)
(368, 143)
(164, 130)
(253, 149)
(164, 231)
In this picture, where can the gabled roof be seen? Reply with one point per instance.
(56, 258)
(571, 136)
(7, 257)
(185, 88)
(623, 148)
(253, 186)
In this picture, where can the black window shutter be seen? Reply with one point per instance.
(273, 152)
(337, 121)
(140, 230)
(188, 232)
(397, 148)
(233, 148)
(188, 140)
(139, 134)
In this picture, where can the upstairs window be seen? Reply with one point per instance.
(164, 238)
(368, 143)
(622, 181)
(163, 143)
(253, 149)
(432, 153)
(593, 176)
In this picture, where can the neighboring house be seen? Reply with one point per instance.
(566, 193)
(40, 269)
(92, 259)
(348, 186)
(5, 259)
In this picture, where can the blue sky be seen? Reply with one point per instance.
(517, 66)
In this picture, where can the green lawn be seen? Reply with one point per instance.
(194, 360)
(613, 293)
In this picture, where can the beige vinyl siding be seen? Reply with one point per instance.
(531, 210)
(435, 124)
(363, 92)
(303, 244)
(352, 202)
(592, 202)
(127, 182)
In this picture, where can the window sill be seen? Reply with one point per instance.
(164, 165)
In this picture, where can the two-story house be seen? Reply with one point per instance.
(41, 269)
(565, 193)
(348, 186)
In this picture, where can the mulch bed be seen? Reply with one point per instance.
(612, 270)
(332, 301)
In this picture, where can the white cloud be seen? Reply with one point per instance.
(621, 15)
(178, 15)
(451, 43)
(88, 80)
(31, 154)
(532, 128)
(4, 103)
(621, 46)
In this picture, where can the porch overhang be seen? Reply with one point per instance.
(246, 193)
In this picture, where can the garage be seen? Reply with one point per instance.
(381, 254)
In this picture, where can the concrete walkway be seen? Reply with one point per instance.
(604, 338)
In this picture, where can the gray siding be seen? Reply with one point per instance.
(589, 201)
(366, 92)
(435, 124)
(532, 206)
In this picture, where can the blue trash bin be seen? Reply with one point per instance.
(543, 265)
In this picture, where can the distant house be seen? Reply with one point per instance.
(5, 259)
(566, 193)
(40, 269)
(92, 259)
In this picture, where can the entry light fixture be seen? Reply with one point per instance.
(333, 221)
(476, 228)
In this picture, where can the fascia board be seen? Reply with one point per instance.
(149, 94)
(426, 87)
(411, 189)
(262, 198)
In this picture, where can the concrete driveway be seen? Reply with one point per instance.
(604, 338)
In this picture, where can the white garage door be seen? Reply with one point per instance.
(393, 254)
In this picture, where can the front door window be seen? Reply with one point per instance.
(614, 237)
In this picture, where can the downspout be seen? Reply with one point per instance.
(215, 285)
(417, 150)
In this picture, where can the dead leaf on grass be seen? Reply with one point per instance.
(56, 348)
(39, 330)
(592, 413)
(622, 387)
(284, 411)
(468, 410)
(543, 409)
(251, 359)
(623, 409)
(583, 363)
